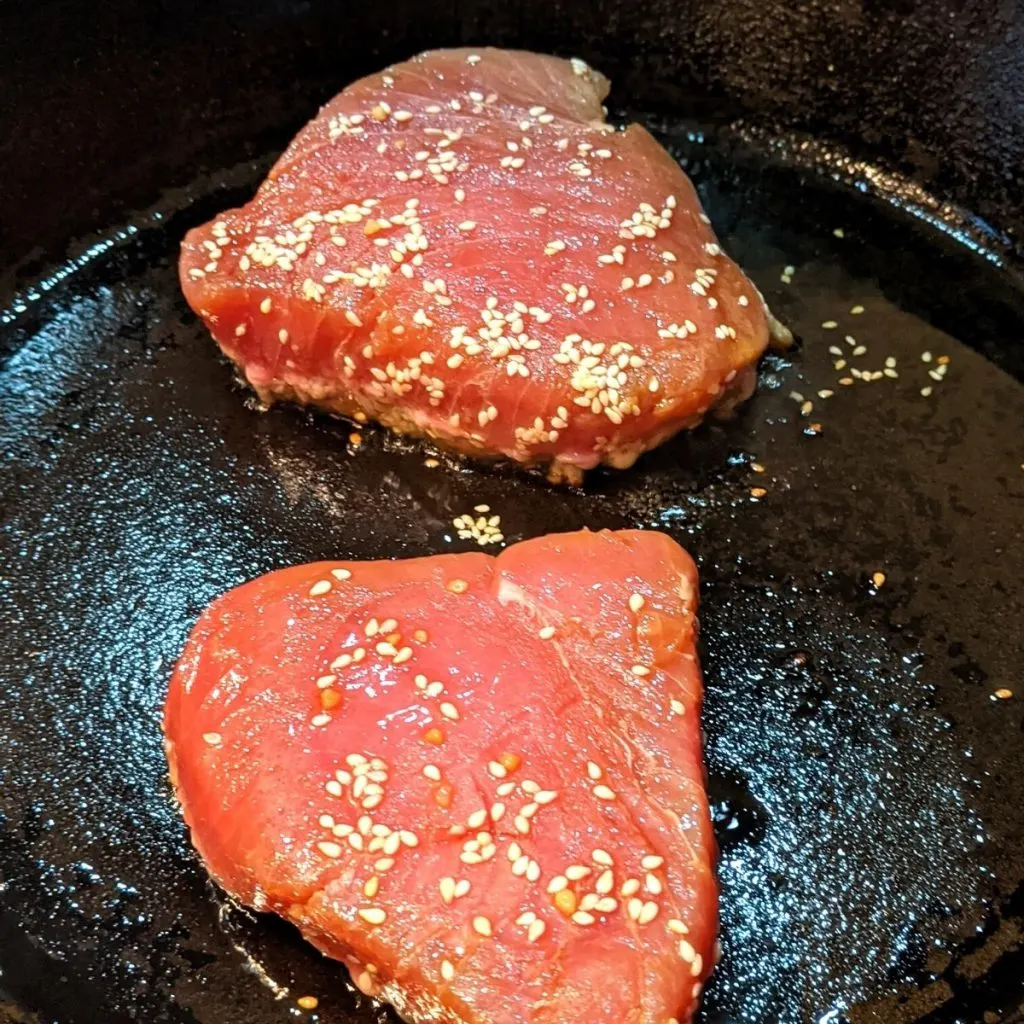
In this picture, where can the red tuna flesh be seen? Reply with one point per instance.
(475, 781)
(461, 247)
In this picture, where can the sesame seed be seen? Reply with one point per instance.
(373, 915)
(450, 711)
(1003, 693)
(328, 849)
(602, 792)
(482, 926)
(457, 586)
(307, 1002)
(856, 310)
(265, 305)
(676, 926)
(447, 970)
(830, 325)
(319, 720)
(594, 771)
(652, 862)
(583, 918)
(212, 738)
(602, 857)
(640, 670)
(878, 579)
(636, 602)
(546, 633)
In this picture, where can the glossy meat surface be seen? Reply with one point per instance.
(476, 781)
(461, 247)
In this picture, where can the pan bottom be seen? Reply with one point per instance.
(857, 532)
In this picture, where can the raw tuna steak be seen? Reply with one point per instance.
(461, 247)
(475, 781)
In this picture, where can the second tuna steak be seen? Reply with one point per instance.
(476, 781)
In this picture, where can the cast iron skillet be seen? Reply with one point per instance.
(864, 774)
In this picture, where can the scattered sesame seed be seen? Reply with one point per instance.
(319, 588)
(640, 670)
(1003, 693)
(373, 915)
(546, 633)
(636, 602)
(212, 738)
(878, 579)
(758, 492)
(447, 970)
(856, 310)
(482, 926)
(307, 1002)
(829, 325)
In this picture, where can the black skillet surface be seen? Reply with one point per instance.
(865, 778)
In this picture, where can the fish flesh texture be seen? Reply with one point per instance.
(461, 247)
(476, 781)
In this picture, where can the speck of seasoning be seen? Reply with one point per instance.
(457, 586)
(1003, 693)
(510, 762)
(329, 699)
(878, 579)
(307, 1002)
(565, 902)
(757, 492)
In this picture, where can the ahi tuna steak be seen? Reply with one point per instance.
(461, 247)
(475, 781)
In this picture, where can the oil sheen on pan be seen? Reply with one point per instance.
(475, 781)
(461, 247)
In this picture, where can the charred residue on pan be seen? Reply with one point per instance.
(860, 767)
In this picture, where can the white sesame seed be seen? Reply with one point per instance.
(482, 926)
(640, 670)
(447, 970)
(319, 588)
(332, 850)
(636, 602)
(373, 915)
(212, 738)
(546, 633)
